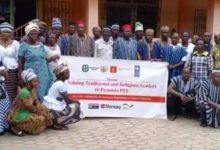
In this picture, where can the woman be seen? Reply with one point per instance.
(9, 52)
(209, 101)
(216, 53)
(4, 102)
(27, 113)
(52, 51)
(58, 103)
(32, 55)
(201, 62)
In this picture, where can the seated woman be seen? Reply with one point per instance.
(58, 103)
(27, 113)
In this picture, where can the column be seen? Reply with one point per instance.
(182, 15)
(12, 12)
(92, 15)
(213, 16)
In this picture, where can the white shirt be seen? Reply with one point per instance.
(10, 55)
(189, 50)
(50, 101)
(103, 49)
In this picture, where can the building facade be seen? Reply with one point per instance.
(195, 16)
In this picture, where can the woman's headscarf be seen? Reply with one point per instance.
(30, 27)
(6, 27)
(48, 35)
(28, 75)
(60, 69)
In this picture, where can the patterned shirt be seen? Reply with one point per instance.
(216, 56)
(103, 49)
(125, 49)
(186, 88)
(200, 65)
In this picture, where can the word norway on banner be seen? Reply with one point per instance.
(118, 88)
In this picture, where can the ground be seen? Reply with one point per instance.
(121, 134)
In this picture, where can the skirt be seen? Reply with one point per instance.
(69, 115)
(11, 84)
(4, 110)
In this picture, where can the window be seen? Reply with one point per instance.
(200, 18)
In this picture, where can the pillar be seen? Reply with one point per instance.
(92, 15)
(12, 12)
(182, 15)
(213, 16)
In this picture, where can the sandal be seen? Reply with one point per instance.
(17, 133)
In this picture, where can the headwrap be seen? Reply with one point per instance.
(216, 71)
(106, 28)
(31, 26)
(37, 21)
(126, 26)
(80, 22)
(139, 26)
(6, 27)
(28, 75)
(72, 23)
(96, 27)
(151, 31)
(48, 35)
(60, 69)
(185, 32)
(115, 27)
(56, 22)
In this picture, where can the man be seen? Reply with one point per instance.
(41, 33)
(182, 90)
(96, 33)
(194, 39)
(57, 28)
(189, 47)
(149, 36)
(216, 38)
(80, 44)
(115, 31)
(209, 101)
(103, 46)
(125, 47)
(65, 37)
(141, 45)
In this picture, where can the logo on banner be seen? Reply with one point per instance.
(93, 106)
(108, 106)
(85, 68)
(137, 71)
(113, 69)
(127, 106)
(104, 69)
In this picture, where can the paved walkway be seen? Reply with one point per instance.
(121, 134)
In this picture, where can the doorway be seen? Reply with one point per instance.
(25, 11)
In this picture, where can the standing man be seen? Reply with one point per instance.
(149, 36)
(96, 33)
(189, 47)
(103, 46)
(216, 38)
(139, 31)
(57, 28)
(80, 44)
(125, 47)
(65, 37)
(194, 39)
(115, 31)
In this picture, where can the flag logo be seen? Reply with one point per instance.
(113, 69)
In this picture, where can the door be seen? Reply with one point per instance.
(57, 9)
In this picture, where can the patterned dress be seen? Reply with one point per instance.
(35, 58)
(216, 56)
(210, 92)
(200, 65)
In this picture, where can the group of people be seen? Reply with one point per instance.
(33, 94)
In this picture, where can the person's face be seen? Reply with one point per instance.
(149, 37)
(194, 39)
(72, 29)
(42, 30)
(207, 37)
(96, 32)
(34, 83)
(127, 33)
(200, 45)
(165, 33)
(66, 74)
(81, 29)
(139, 34)
(216, 78)
(185, 74)
(52, 39)
(33, 35)
(106, 34)
(185, 38)
(115, 32)
(216, 39)
(175, 39)
(57, 30)
(5, 35)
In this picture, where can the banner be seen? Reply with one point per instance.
(118, 88)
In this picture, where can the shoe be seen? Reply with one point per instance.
(203, 125)
(2, 133)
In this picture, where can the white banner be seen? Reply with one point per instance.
(118, 88)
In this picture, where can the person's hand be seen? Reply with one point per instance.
(77, 102)
(189, 99)
(170, 67)
(183, 98)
